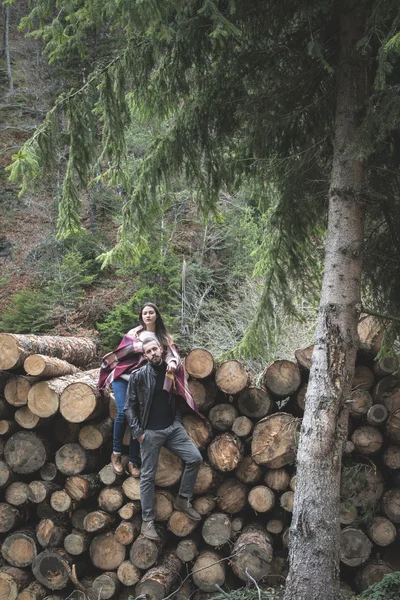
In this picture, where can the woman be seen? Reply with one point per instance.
(117, 367)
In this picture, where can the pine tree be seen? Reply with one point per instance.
(299, 100)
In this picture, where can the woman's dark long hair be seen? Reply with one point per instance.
(162, 333)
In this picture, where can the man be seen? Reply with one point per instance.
(155, 421)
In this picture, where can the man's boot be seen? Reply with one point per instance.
(183, 504)
(116, 463)
(149, 531)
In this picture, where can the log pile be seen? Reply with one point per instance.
(67, 521)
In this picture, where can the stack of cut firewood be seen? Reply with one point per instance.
(67, 521)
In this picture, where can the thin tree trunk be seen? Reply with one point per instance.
(7, 11)
(315, 529)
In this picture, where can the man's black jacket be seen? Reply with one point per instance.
(139, 396)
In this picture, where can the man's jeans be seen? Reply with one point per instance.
(177, 440)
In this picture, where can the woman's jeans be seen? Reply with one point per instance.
(119, 387)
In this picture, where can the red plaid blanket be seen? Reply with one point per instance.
(129, 356)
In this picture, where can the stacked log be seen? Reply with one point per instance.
(63, 506)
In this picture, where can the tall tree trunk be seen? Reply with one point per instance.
(7, 11)
(315, 529)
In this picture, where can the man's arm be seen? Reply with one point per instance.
(131, 407)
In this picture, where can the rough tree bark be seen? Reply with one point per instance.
(315, 529)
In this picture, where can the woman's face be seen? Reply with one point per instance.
(149, 315)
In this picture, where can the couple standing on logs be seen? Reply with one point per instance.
(149, 384)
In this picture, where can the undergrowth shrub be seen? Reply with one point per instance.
(27, 313)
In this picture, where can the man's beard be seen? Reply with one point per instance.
(157, 361)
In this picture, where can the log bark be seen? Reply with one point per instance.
(382, 531)
(180, 524)
(370, 332)
(14, 349)
(261, 499)
(248, 471)
(325, 418)
(231, 377)
(208, 571)
(106, 586)
(298, 400)
(50, 534)
(163, 505)
(217, 529)
(81, 487)
(65, 432)
(25, 452)
(274, 442)
(17, 494)
(391, 504)
(242, 427)
(199, 430)
(222, 416)
(52, 568)
(78, 518)
(76, 542)
(368, 440)
(81, 400)
(72, 459)
(282, 378)
(204, 394)
(41, 365)
(5, 409)
(144, 553)
(253, 552)
(44, 397)
(12, 581)
(199, 363)
(231, 496)
(355, 547)
(106, 552)
(277, 479)
(161, 579)
(225, 452)
(20, 548)
(96, 434)
(17, 389)
(204, 504)
(128, 574)
(34, 591)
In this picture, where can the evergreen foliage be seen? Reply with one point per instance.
(27, 313)
(242, 92)
(387, 589)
